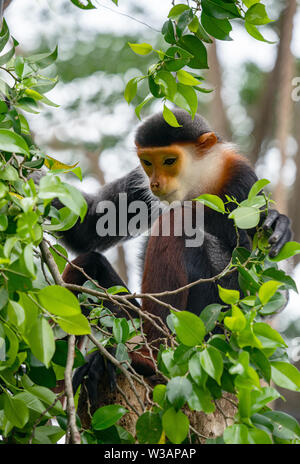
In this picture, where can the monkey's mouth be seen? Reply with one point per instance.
(167, 196)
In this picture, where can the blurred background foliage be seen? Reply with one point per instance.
(251, 103)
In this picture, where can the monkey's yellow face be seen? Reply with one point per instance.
(163, 166)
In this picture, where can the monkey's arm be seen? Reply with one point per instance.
(83, 237)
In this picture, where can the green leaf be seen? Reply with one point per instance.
(186, 98)
(263, 331)
(249, 3)
(218, 28)
(47, 397)
(41, 340)
(168, 31)
(3, 222)
(59, 301)
(212, 201)
(167, 83)
(194, 46)
(43, 60)
(4, 35)
(267, 290)
(280, 276)
(85, 4)
(220, 9)
(159, 394)
(176, 58)
(229, 296)
(47, 434)
(12, 142)
(59, 260)
(236, 322)
(61, 354)
(209, 315)
(287, 251)
(19, 65)
(51, 186)
(177, 10)
(28, 260)
(257, 187)
(3, 107)
(77, 324)
(16, 411)
(201, 400)
(275, 304)
(201, 32)
(9, 173)
(196, 371)
(117, 289)
(141, 49)
(286, 428)
(33, 403)
(212, 362)
(66, 222)
(170, 118)
(11, 346)
(244, 402)
(236, 435)
(149, 428)
(189, 328)
(130, 89)
(285, 375)
(74, 200)
(194, 26)
(142, 104)
(16, 314)
(257, 15)
(120, 330)
(245, 217)
(259, 437)
(262, 363)
(178, 391)
(184, 20)
(7, 56)
(38, 97)
(254, 32)
(259, 399)
(176, 425)
(107, 416)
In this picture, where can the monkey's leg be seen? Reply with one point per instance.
(97, 267)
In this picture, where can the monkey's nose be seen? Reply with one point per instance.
(154, 185)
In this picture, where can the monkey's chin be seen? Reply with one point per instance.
(170, 197)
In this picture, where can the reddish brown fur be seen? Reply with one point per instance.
(231, 161)
(171, 266)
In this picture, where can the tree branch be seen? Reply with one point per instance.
(73, 435)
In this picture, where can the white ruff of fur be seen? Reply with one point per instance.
(201, 175)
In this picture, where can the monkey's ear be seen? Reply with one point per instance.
(206, 141)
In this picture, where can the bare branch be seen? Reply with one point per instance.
(73, 435)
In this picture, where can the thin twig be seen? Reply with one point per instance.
(40, 418)
(73, 435)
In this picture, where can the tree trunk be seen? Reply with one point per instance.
(203, 425)
(284, 101)
(217, 109)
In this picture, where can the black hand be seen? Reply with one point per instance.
(93, 372)
(280, 224)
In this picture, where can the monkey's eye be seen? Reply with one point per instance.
(147, 163)
(170, 161)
